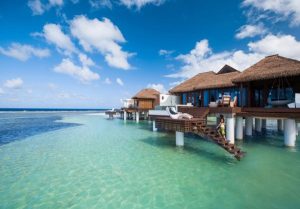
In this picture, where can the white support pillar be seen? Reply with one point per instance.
(239, 128)
(249, 126)
(125, 115)
(179, 138)
(137, 117)
(264, 124)
(258, 124)
(280, 125)
(290, 132)
(154, 126)
(230, 129)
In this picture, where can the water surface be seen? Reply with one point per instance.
(86, 161)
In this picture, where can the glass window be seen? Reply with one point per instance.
(184, 99)
(206, 98)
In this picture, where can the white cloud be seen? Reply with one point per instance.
(85, 60)
(176, 83)
(164, 52)
(285, 45)
(15, 83)
(250, 31)
(56, 2)
(24, 52)
(107, 81)
(102, 36)
(159, 87)
(53, 34)
(140, 3)
(100, 3)
(1, 91)
(82, 73)
(38, 8)
(202, 59)
(285, 9)
(120, 82)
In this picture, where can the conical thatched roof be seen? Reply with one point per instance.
(147, 94)
(270, 67)
(208, 80)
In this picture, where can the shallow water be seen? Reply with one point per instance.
(87, 161)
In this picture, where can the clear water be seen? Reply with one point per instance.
(78, 160)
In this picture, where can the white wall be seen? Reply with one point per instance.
(128, 102)
(169, 100)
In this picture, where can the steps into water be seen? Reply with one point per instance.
(201, 129)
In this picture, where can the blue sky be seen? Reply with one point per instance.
(91, 54)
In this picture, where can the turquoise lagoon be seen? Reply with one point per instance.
(80, 160)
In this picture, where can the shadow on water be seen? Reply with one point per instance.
(165, 142)
(18, 128)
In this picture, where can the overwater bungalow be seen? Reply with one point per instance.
(138, 106)
(205, 89)
(267, 90)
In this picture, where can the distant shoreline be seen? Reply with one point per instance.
(51, 110)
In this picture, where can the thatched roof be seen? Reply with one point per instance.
(270, 67)
(227, 69)
(208, 80)
(147, 94)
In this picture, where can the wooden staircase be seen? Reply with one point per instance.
(201, 129)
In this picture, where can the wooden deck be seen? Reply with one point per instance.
(246, 111)
(270, 112)
(182, 125)
(135, 109)
(199, 127)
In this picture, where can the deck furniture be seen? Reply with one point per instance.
(295, 104)
(225, 101)
(234, 102)
(178, 115)
(213, 104)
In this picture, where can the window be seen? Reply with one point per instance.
(184, 98)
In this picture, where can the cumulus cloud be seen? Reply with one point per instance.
(140, 3)
(284, 9)
(15, 83)
(159, 87)
(23, 51)
(202, 58)
(102, 36)
(107, 81)
(285, 45)
(82, 73)
(38, 8)
(120, 82)
(249, 31)
(54, 35)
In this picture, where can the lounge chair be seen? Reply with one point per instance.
(213, 104)
(295, 104)
(234, 102)
(178, 115)
(225, 101)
